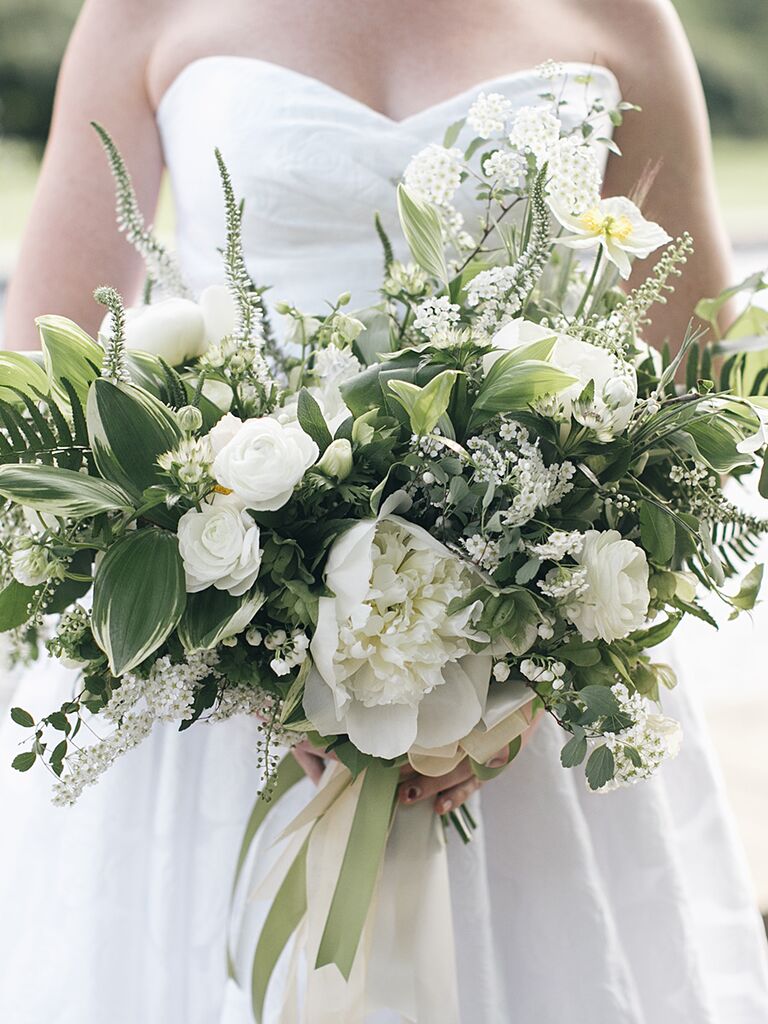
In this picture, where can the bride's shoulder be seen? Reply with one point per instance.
(637, 31)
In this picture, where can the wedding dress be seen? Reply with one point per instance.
(569, 907)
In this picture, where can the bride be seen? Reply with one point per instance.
(629, 908)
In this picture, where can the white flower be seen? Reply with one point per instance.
(263, 462)
(436, 317)
(434, 173)
(30, 566)
(656, 738)
(615, 602)
(558, 545)
(227, 428)
(574, 175)
(615, 382)
(392, 667)
(489, 114)
(505, 168)
(617, 225)
(535, 130)
(176, 329)
(550, 69)
(219, 547)
(336, 461)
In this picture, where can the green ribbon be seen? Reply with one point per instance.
(285, 915)
(360, 868)
(288, 773)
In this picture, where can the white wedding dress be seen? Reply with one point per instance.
(569, 907)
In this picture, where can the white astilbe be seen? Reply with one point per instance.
(489, 114)
(574, 175)
(656, 738)
(434, 174)
(535, 130)
(436, 317)
(506, 169)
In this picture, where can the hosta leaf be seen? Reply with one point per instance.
(423, 231)
(18, 371)
(70, 354)
(138, 597)
(212, 615)
(128, 429)
(516, 385)
(62, 492)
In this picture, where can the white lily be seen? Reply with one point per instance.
(615, 224)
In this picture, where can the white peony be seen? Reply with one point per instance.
(392, 668)
(615, 381)
(219, 547)
(615, 601)
(178, 330)
(262, 461)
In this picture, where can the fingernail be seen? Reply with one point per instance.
(412, 793)
(496, 762)
(445, 806)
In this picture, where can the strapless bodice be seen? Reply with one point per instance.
(313, 165)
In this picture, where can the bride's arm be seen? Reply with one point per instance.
(656, 70)
(71, 244)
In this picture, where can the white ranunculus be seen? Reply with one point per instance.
(615, 602)
(223, 432)
(615, 381)
(219, 547)
(392, 668)
(263, 461)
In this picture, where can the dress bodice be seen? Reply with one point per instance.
(313, 164)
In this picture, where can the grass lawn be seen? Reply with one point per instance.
(741, 164)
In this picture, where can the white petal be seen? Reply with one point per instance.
(319, 706)
(618, 257)
(452, 710)
(348, 569)
(385, 731)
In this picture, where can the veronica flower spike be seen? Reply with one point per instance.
(618, 226)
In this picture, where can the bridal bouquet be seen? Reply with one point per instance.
(403, 535)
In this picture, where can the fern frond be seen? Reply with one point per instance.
(161, 265)
(35, 438)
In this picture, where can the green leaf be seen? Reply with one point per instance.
(138, 597)
(645, 638)
(599, 699)
(212, 615)
(574, 751)
(14, 604)
(425, 405)
(20, 372)
(657, 532)
(515, 385)
(128, 429)
(23, 762)
(70, 354)
(423, 231)
(600, 767)
(352, 758)
(312, 421)
(22, 718)
(452, 132)
(61, 492)
(746, 599)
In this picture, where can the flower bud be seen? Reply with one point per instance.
(344, 299)
(189, 418)
(363, 431)
(336, 462)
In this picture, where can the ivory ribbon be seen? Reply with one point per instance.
(405, 960)
(506, 717)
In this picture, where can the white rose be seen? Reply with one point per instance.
(219, 547)
(173, 329)
(264, 461)
(392, 668)
(615, 602)
(615, 381)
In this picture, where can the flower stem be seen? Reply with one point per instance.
(590, 283)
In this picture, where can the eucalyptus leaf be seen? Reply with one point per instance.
(138, 597)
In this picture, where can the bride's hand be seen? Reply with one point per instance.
(452, 790)
(449, 791)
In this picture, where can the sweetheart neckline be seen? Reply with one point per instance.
(352, 101)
